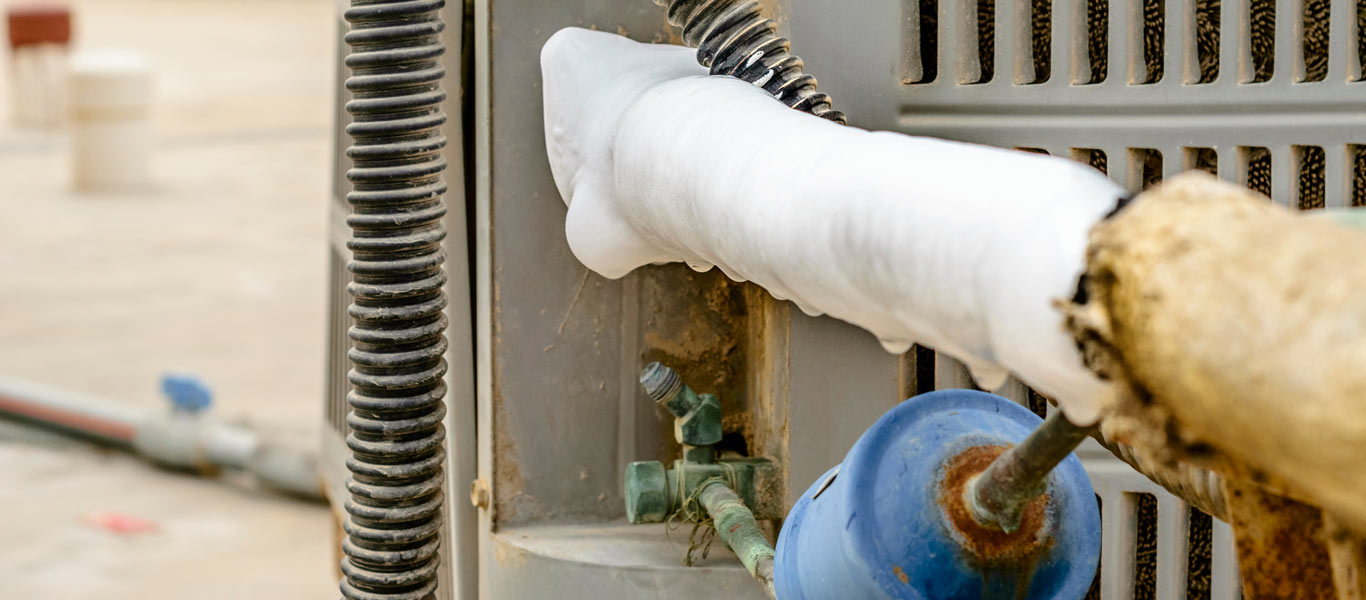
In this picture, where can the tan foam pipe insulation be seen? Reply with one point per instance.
(1234, 333)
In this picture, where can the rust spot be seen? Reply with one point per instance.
(1280, 543)
(905, 580)
(987, 547)
(697, 323)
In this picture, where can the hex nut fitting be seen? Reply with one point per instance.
(647, 492)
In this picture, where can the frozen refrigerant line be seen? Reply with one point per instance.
(960, 247)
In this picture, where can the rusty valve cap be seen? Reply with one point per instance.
(1003, 515)
(997, 497)
(647, 492)
(660, 382)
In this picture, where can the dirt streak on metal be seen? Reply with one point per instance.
(998, 555)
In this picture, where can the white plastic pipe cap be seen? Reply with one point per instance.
(110, 105)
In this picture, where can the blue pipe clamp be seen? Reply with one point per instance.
(889, 522)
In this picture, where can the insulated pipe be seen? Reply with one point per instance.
(1232, 329)
(179, 441)
(593, 79)
(903, 236)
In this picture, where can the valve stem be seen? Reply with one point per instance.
(997, 497)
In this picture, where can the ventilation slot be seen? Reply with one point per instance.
(1361, 40)
(1203, 159)
(1098, 39)
(1311, 183)
(1145, 547)
(924, 370)
(986, 40)
(1200, 555)
(1207, 39)
(1038, 404)
(1358, 154)
(1314, 44)
(1091, 156)
(920, 48)
(1154, 39)
(1145, 166)
(1094, 592)
(1041, 36)
(1261, 29)
(1258, 161)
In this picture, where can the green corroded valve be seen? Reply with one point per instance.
(654, 492)
(697, 417)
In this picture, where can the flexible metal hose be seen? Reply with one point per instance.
(1201, 488)
(397, 441)
(733, 38)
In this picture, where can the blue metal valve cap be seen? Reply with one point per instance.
(888, 522)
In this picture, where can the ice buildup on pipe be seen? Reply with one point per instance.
(960, 247)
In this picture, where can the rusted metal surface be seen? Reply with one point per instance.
(767, 385)
(990, 548)
(1347, 555)
(697, 323)
(1280, 544)
(998, 497)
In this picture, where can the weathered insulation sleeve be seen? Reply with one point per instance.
(1198, 487)
(1237, 332)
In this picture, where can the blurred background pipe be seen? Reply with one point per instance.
(182, 439)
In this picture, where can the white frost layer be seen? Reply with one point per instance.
(959, 247)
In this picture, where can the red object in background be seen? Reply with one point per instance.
(39, 23)
(121, 523)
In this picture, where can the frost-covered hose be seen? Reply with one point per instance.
(733, 38)
(393, 519)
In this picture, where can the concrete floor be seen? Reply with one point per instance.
(219, 270)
